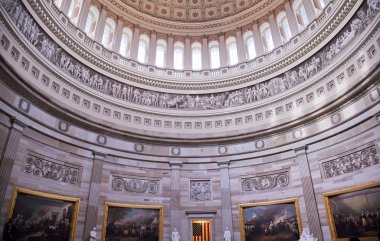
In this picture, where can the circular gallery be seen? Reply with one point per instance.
(189, 120)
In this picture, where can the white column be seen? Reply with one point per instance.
(118, 34)
(276, 36)
(187, 53)
(66, 7)
(291, 19)
(100, 26)
(257, 39)
(240, 46)
(135, 42)
(152, 48)
(309, 8)
(170, 52)
(84, 14)
(205, 53)
(222, 51)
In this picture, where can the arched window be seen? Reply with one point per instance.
(109, 30)
(178, 55)
(214, 54)
(92, 20)
(300, 11)
(266, 35)
(125, 44)
(74, 10)
(196, 56)
(161, 53)
(249, 45)
(58, 3)
(142, 54)
(232, 50)
(283, 24)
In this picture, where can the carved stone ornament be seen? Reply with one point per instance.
(52, 170)
(355, 161)
(135, 185)
(200, 190)
(264, 182)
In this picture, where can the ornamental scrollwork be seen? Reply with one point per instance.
(24, 21)
(200, 190)
(135, 185)
(52, 170)
(355, 161)
(264, 182)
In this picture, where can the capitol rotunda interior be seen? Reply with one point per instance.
(189, 120)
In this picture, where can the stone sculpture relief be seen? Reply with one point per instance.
(200, 190)
(264, 182)
(135, 185)
(355, 161)
(299, 74)
(52, 170)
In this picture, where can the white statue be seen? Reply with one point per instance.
(175, 235)
(227, 235)
(307, 236)
(93, 234)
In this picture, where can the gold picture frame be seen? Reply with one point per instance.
(37, 203)
(327, 199)
(246, 225)
(143, 211)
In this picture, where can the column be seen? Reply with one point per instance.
(9, 156)
(118, 34)
(205, 53)
(309, 8)
(240, 46)
(225, 195)
(187, 53)
(175, 200)
(152, 48)
(276, 36)
(170, 52)
(93, 197)
(291, 19)
(84, 14)
(258, 40)
(222, 51)
(135, 42)
(101, 24)
(308, 191)
(66, 7)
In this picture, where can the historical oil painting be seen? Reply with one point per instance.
(37, 216)
(124, 222)
(270, 221)
(354, 212)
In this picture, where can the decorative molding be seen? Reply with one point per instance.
(135, 185)
(57, 171)
(63, 126)
(24, 105)
(176, 151)
(352, 162)
(264, 182)
(222, 149)
(336, 118)
(101, 139)
(200, 190)
(139, 147)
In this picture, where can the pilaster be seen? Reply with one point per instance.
(9, 155)
(175, 199)
(308, 191)
(94, 193)
(225, 194)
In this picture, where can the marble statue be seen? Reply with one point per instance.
(93, 234)
(307, 236)
(227, 235)
(175, 235)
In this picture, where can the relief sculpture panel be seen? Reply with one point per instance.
(263, 182)
(135, 185)
(200, 190)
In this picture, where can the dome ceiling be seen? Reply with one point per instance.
(190, 10)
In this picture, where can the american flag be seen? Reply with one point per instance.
(201, 230)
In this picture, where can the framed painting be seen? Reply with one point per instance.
(126, 222)
(270, 221)
(354, 212)
(41, 216)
